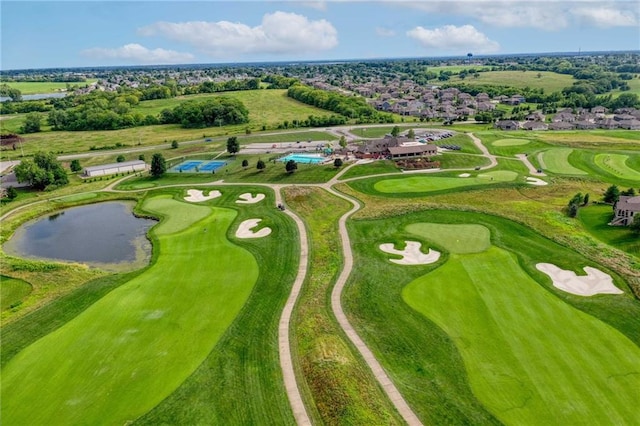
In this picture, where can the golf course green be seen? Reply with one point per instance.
(531, 358)
(616, 164)
(133, 347)
(556, 160)
(424, 183)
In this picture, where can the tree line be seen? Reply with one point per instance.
(349, 106)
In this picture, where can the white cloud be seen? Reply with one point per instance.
(455, 40)
(317, 5)
(385, 32)
(606, 17)
(138, 54)
(279, 33)
(541, 14)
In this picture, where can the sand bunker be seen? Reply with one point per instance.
(248, 198)
(411, 255)
(536, 181)
(245, 229)
(197, 196)
(464, 175)
(595, 282)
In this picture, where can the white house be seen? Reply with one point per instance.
(113, 168)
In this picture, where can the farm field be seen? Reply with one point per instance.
(36, 87)
(549, 81)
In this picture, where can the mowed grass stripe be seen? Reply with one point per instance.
(616, 164)
(582, 370)
(556, 160)
(132, 348)
(435, 183)
(12, 291)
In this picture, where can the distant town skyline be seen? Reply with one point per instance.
(55, 34)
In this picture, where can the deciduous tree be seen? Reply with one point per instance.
(158, 165)
(75, 166)
(291, 166)
(232, 145)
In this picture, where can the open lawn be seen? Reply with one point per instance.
(37, 87)
(556, 160)
(468, 357)
(151, 328)
(549, 81)
(596, 218)
(430, 183)
(12, 291)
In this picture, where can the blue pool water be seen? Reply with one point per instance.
(304, 158)
(197, 166)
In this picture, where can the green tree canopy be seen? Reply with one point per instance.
(291, 166)
(158, 165)
(260, 165)
(612, 194)
(32, 122)
(337, 163)
(635, 224)
(233, 146)
(44, 171)
(75, 166)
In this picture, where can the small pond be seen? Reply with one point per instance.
(106, 234)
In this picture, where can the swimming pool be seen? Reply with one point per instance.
(197, 166)
(304, 158)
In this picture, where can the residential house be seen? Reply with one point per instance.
(625, 209)
(534, 125)
(585, 125)
(561, 125)
(535, 116)
(506, 125)
(412, 151)
(607, 123)
(630, 124)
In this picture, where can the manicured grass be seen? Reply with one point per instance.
(375, 168)
(77, 197)
(616, 164)
(157, 328)
(12, 291)
(454, 160)
(454, 238)
(556, 160)
(37, 87)
(430, 367)
(549, 81)
(338, 387)
(425, 183)
(511, 142)
(520, 378)
(596, 218)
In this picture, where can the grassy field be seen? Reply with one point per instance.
(508, 145)
(337, 384)
(556, 160)
(12, 291)
(266, 107)
(549, 81)
(36, 87)
(596, 218)
(511, 142)
(151, 330)
(434, 358)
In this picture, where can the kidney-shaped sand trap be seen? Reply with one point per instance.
(248, 198)
(595, 282)
(464, 175)
(197, 196)
(411, 255)
(245, 229)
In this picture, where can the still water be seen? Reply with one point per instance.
(98, 234)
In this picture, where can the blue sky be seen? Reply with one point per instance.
(96, 33)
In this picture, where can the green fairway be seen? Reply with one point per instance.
(556, 160)
(596, 218)
(156, 329)
(511, 142)
(12, 291)
(562, 376)
(616, 164)
(425, 183)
